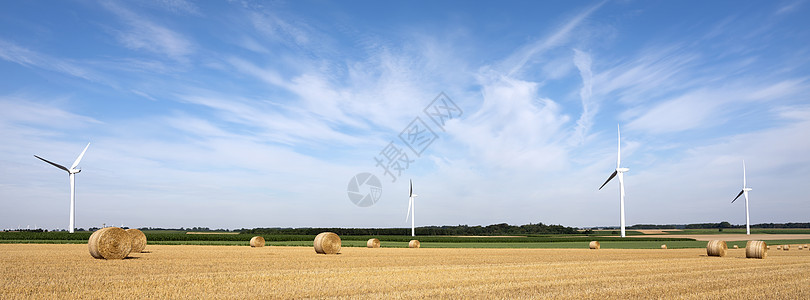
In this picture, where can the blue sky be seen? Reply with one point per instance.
(230, 114)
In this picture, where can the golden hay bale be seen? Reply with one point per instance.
(91, 244)
(779, 247)
(257, 241)
(716, 248)
(664, 246)
(786, 247)
(373, 243)
(327, 243)
(138, 240)
(594, 245)
(110, 243)
(736, 247)
(756, 249)
(413, 244)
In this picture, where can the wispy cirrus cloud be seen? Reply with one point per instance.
(589, 107)
(29, 58)
(521, 58)
(141, 33)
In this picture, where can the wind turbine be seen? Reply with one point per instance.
(745, 191)
(72, 171)
(619, 171)
(411, 210)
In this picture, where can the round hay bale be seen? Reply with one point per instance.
(664, 246)
(413, 244)
(138, 240)
(91, 244)
(110, 243)
(327, 243)
(257, 241)
(736, 247)
(756, 249)
(594, 245)
(786, 247)
(779, 247)
(716, 248)
(373, 243)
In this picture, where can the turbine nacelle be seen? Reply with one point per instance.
(747, 189)
(622, 170)
(75, 171)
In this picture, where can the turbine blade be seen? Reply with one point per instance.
(410, 205)
(54, 164)
(78, 159)
(609, 179)
(738, 196)
(410, 193)
(743, 173)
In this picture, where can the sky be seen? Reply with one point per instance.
(244, 114)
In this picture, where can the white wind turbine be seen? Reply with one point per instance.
(745, 191)
(411, 210)
(619, 171)
(72, 171)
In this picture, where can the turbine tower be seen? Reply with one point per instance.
(619, 171)
(71, 172)
(411, 210)
(745, 191)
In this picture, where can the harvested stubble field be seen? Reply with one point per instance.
(68, 271)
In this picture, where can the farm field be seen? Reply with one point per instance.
(730, 237)
(185, 271)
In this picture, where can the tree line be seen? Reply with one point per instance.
(494, 229)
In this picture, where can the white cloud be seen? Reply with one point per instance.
(26, 57)
(513, 128)
(589, 107)
(521, 58)
(144, 34)
(788, 7)
(706, 108)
